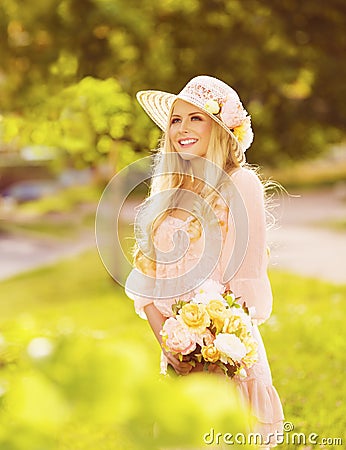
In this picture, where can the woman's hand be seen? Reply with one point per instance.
(180, 367)
(212, 368)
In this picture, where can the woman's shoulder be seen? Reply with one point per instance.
(244, 179)
(245, 173)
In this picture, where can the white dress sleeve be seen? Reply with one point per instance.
(141, 289)
(245, 256)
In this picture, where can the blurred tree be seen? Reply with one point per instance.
(91, 121)
(284, 58)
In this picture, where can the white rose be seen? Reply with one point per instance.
(230, 346)
(205, 298)
(209, 290)
(210, 287)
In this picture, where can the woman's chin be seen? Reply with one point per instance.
(187, 156)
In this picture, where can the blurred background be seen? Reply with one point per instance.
(70, 343)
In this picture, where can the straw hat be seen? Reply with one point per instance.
(212, 96)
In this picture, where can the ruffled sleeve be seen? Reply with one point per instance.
(141, 289)
(244, 256)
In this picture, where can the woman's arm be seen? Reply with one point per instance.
(248, 277)
(156, 320)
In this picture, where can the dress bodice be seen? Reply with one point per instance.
(235, 254)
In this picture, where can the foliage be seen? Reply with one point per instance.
(64, 215)
(309, 175)
(66, 200)
(284, 58)
(305, 341)
(89, 120)
(79, 369)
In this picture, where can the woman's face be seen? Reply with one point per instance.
(189, 130)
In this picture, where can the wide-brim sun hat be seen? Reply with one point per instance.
(215, 98)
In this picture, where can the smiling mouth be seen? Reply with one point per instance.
(186, 142)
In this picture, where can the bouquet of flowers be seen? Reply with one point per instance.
(212, 328)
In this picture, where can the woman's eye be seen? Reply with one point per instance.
(195, 118)
(175, 120)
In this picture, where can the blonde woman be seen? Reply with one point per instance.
(204, 220)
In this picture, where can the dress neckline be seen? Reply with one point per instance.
(188, 218)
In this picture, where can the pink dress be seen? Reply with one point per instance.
(247, 279)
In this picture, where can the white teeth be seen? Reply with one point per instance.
(187, 141)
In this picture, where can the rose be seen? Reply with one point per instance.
(211, 287)
(241, 314)
(232, 324)
(210, 353)
(233, 112)
(209, 290)
(177, 338)
(207, 338)
(217, 312)
(204, 298)
(244, 133)
(212, 106)
(251, 356)
(230, 347)
(195, 317)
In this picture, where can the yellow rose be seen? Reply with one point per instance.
(251, 356)
(195, 317)
(212, 106)
(231, 324)
(210, 353)
(244, 133)
(217, 312)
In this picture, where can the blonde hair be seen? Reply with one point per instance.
(170, 172)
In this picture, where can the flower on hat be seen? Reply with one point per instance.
(244, 133)
(232, 112)
(212, 106)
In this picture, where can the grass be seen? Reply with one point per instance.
(66, 226)
(106, 402)
(335, 225)
(305, 341)
(62, 215)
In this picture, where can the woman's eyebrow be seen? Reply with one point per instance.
(190, 114)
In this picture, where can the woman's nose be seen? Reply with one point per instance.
(184, 125)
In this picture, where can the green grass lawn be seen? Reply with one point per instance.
(79, 370)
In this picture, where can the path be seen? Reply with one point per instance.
(20, 254)
(297, 244)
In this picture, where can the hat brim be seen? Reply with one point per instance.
(158, 105)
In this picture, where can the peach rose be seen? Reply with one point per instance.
(233, 113)
(177, 338)
(207, 338)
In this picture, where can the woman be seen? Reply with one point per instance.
(205, 219)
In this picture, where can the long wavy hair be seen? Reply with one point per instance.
(171, 173)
